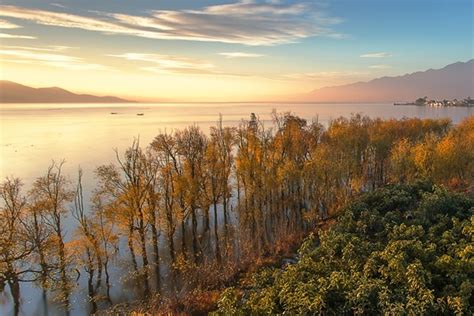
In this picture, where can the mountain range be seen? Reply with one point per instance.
(451, 82)
(11, 92)
(455, 81)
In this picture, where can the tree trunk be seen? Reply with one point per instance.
(207, 224)
(216, 234)
(141, 232)
(64, 281)
(155, 253)
(107, 281)
(183, 237)
(132, 248)
(15, 291)
(194, 231)
(90, 283)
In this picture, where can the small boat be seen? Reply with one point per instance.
(140, 114)
(113, 113)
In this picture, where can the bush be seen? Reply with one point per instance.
(402, 249)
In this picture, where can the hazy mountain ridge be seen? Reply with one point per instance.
(12, 92)
(453, 81)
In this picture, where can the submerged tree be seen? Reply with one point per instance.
(86, 246)
(16, 245)
(52, 194)
(127, 188)
(191, 144)
(106, 237)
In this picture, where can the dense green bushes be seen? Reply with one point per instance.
(402, 249)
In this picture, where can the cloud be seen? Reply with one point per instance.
(380, 67)
(318, 79)
(49, 56)
(5, 35)
(376, 55)
(240, 55)
(169, 64)
(54, 4)
(51, 48)
(251, 7)
(166, 64)
(60, 19)
(323, 75)
(245, 22)
(8, 25)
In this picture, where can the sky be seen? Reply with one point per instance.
(234, 50)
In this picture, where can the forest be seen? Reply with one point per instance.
(387, 206)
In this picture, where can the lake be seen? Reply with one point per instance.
(85, 135)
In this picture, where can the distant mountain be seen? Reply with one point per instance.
(451, 82)
(11, 92)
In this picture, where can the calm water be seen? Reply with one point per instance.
(32, 135)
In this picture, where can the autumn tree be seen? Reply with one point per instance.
(106, 235)
(165, 152)
(52, 194)
(213, 186)
(16, 246)
(86, 247)
(126, 186)
(191, 144)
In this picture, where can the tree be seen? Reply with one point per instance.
(213, 186)
(52, 194)
(16, 245)
(223, 139)
(127, 187)
(86, 247)
(153, 203)
(106, 235)
(421, 101)
(191, 144)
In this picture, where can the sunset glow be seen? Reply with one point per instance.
(270, 50)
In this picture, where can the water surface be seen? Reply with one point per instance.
(85, 134)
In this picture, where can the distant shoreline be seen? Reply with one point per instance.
(217, 102)
(467, 103)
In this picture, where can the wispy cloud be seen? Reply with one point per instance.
(245, 22)
(5, 35)
(167, 64)
(380, 67)
(320, 79)
(376, 55)
(8, 25)
(51, 48)
(323, 75)
(240, 55)
(59, 5)
(47, 56)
